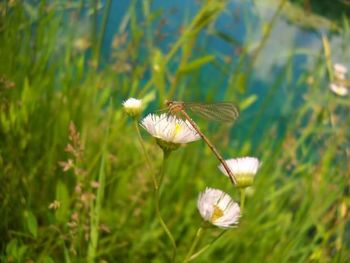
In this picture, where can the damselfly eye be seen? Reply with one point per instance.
(168, 103)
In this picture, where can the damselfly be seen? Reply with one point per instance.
(221, 111)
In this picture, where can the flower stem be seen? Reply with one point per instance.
(148, 161)
(242, 192)
(161, 173)
(96, 207)
(157, 197)
(157, 185)
(194, 244)
(202, 250)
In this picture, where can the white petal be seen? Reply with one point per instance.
(132, 103)
(211, 198)
(169, 128)
(339, 75)
(339, 90)
(340, 68)
(231, 215)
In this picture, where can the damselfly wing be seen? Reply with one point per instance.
(219, 111)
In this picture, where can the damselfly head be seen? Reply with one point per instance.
(174, 106)
(168, 103)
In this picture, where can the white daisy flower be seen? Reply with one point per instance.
(218, 208)
(169, 130)
(339, 90)
(132, 107)
(244, 170)
(340, 71)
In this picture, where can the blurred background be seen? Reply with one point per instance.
(75, 186)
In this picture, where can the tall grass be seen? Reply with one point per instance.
(65, 138)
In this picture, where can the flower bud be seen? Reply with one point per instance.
(244, 170)
(133, 107)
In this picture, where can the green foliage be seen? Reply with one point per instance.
(62, 196)
(31, 223)
(64, 138)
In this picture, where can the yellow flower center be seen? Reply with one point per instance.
(178, 129)
(217, 213)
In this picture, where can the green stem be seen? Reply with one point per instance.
(194, 244)
(148, 21)
(148, 161)
(207, 246)
(157, 187)
(94, 7)
(157, 197)
(95, 213)
(242, 192)
(328, 56)
(96, 206)
(102, 31)
(161, 173)
(266, 34)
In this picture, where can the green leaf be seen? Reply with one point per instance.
(226, 37)
(26, 100)
(248, 102)
(148, 98)
(31, 11)
(21, 252)
(15, 250)
(158, 72)
(12, 247)
(327, 54)
(241, 81)
(197, 63)
(32, 223)
(62, 196)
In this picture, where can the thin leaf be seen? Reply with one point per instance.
(197, 63)
(62, 195)
(32, 223)
(248, 102)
